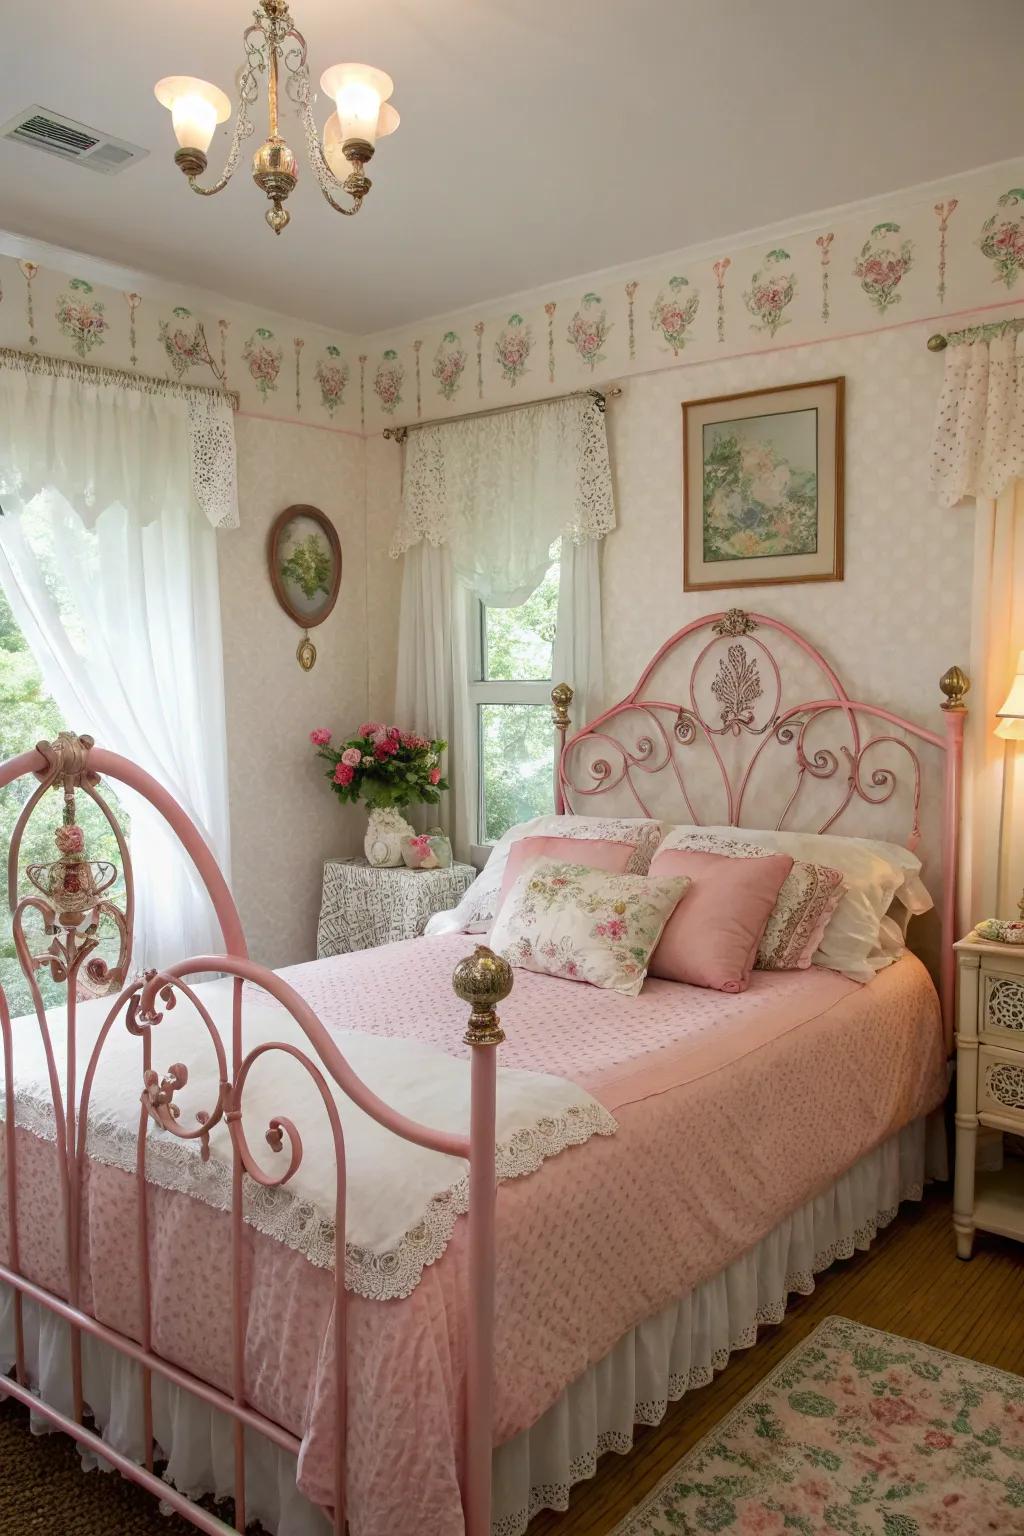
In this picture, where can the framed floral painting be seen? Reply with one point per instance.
(763, 487)
(304, 556)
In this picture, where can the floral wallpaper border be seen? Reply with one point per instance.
(919, 256)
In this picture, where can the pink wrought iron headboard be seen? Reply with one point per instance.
(748, 746)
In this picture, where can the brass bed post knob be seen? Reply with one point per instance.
(954, 684)
(483, 979)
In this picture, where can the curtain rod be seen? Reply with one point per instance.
(939, 343)
(600, 398)
(124, 378)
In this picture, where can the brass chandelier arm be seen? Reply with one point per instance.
(326, 178)
(248, 94)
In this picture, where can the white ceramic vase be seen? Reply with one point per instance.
(383, 841)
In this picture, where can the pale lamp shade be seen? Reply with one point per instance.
(359, 92)
(334, 152)
(196, 107)
(1011, 713)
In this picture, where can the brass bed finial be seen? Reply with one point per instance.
(483, 979)
(561, 698)
(954, 684)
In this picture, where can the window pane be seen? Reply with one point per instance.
(517, 750)
(518, 642)
(28, 715)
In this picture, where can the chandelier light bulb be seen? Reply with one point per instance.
(334, 152)
(359, 93)
(196, 107)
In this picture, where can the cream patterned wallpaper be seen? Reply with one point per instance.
(901, 615)
(284, 819)
(930, 251)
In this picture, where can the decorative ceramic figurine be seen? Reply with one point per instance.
(430, 850)
(383, 842)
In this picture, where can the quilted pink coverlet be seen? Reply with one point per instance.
(734, 1109)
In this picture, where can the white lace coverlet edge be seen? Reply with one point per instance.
(402, 1200)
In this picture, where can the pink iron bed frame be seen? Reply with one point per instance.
(72, 909)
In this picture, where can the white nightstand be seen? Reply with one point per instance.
(989, 1086)
(364, 906)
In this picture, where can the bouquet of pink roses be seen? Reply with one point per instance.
(384, 766)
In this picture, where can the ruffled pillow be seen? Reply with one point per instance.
(585, 924)
(852, 939)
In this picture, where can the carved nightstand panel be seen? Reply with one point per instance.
(1003, 1005)
(989, 1087)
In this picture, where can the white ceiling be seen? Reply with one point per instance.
(539, 138)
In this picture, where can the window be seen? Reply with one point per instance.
(510, 692)
(28, 714)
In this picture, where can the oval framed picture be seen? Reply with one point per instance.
(304, 554)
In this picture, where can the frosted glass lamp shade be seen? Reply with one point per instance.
(196, 107)
(359, 93)
(1011, 714)
(334, 152)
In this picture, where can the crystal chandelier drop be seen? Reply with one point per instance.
(273, 44)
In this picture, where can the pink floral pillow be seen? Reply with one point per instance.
(711, 938)
(592, 853)
(585, 924)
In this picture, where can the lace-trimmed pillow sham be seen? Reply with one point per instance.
(585, 924)
(803, 908)
(479, 906)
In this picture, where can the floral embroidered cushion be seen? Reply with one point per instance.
(592, 852)
(585, 924)
(478, 907)
(711, 938)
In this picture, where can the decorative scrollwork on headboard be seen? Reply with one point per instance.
(761, 716)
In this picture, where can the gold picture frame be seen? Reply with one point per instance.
(763, 487)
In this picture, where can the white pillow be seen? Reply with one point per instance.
(586, 924)
(475, 912)
(857, 941)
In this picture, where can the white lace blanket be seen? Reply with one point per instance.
(402, 1200)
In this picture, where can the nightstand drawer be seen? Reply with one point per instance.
(1001, 1084)
(1002, 1006)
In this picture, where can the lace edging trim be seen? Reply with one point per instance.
(298, 1223)
(555, 1495)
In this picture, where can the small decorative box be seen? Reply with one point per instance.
(431, 850)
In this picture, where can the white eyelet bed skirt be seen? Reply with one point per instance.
(650, 1367)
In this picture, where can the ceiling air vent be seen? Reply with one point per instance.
(40, 128)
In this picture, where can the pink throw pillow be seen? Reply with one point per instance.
(591, 852)
(711, 938)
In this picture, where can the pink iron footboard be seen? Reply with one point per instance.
(751, 724)
(73, 914)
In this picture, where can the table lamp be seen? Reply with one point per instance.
(1010, 716)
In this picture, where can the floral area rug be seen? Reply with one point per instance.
(857, 1432)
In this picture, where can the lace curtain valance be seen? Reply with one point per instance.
(104, 440)
(499, 490)
(978, 448)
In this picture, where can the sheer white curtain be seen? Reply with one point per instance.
(978, 453)
(483, 501)
(108, 558)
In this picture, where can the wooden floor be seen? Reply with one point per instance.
(910, 1282)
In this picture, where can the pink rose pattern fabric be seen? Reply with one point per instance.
(858, 1432)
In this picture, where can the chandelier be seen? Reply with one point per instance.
(363, 115)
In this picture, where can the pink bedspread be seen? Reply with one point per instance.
(733, 1111)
